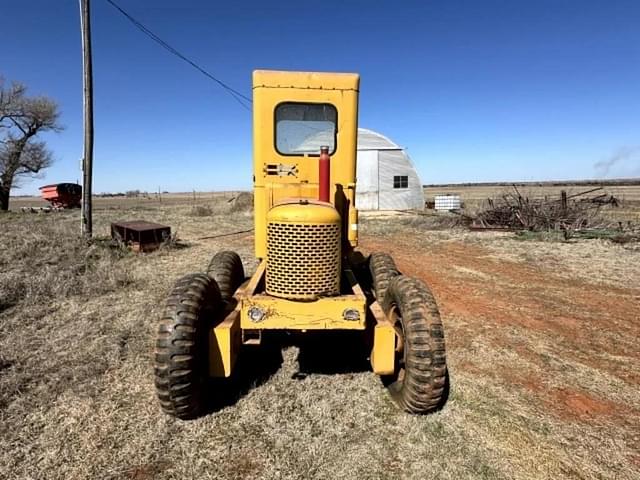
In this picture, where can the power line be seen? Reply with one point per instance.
(237, 96)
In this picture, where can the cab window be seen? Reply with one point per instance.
(302, 128)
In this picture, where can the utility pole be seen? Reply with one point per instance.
(87, 164)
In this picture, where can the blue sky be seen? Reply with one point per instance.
(476, 90)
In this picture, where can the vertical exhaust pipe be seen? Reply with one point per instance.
(324, 165)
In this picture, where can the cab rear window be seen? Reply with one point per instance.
(302, 128)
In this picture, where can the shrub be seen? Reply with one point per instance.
(42, 259)
(201, 211)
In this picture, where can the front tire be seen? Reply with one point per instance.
(181, 355)
(418, 385)
(383, 269)
(226, 269)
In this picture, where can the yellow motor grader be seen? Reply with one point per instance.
(309, 276)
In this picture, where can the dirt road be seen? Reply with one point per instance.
(585, 322)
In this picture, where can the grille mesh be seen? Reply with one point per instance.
(303, 261)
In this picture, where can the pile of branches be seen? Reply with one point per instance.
(568, 213)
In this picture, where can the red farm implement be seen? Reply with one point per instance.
(62, 195)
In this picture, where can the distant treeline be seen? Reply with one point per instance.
(547, 183)
(132, 193)
(128, 194)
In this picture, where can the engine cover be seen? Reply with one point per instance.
(303, 250)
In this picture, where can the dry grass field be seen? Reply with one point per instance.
(542, 342)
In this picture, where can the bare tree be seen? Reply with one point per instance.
(22, 118)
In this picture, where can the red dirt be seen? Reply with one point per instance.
(564, 402)
(582, 404)
(589, 323)
(147, 471)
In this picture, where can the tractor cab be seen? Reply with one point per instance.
(295, 114)
(304, 154)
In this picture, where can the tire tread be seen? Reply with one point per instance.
(425, 366)
(181, 345)
(227, 270)
(383, 269)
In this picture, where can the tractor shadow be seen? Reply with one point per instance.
(254, 367)
(323, 353)
(335, 353)
(331, 353)
(319, 353)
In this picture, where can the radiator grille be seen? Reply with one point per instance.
(303, 261)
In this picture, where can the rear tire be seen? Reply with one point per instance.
(226, 269)
(418, 385)
(383, 269)
(181, 355)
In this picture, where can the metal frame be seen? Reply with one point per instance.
(226, 337)
(319, 314)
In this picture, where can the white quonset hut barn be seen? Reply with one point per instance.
(386, 177)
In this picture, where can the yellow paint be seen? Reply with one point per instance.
(352, 227)
(383, 352)
(323, 313)
(224, 344)
(303, 211)
(271, 88)
(252, 285)
(306, 80)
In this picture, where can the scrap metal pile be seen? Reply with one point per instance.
(571, 212)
